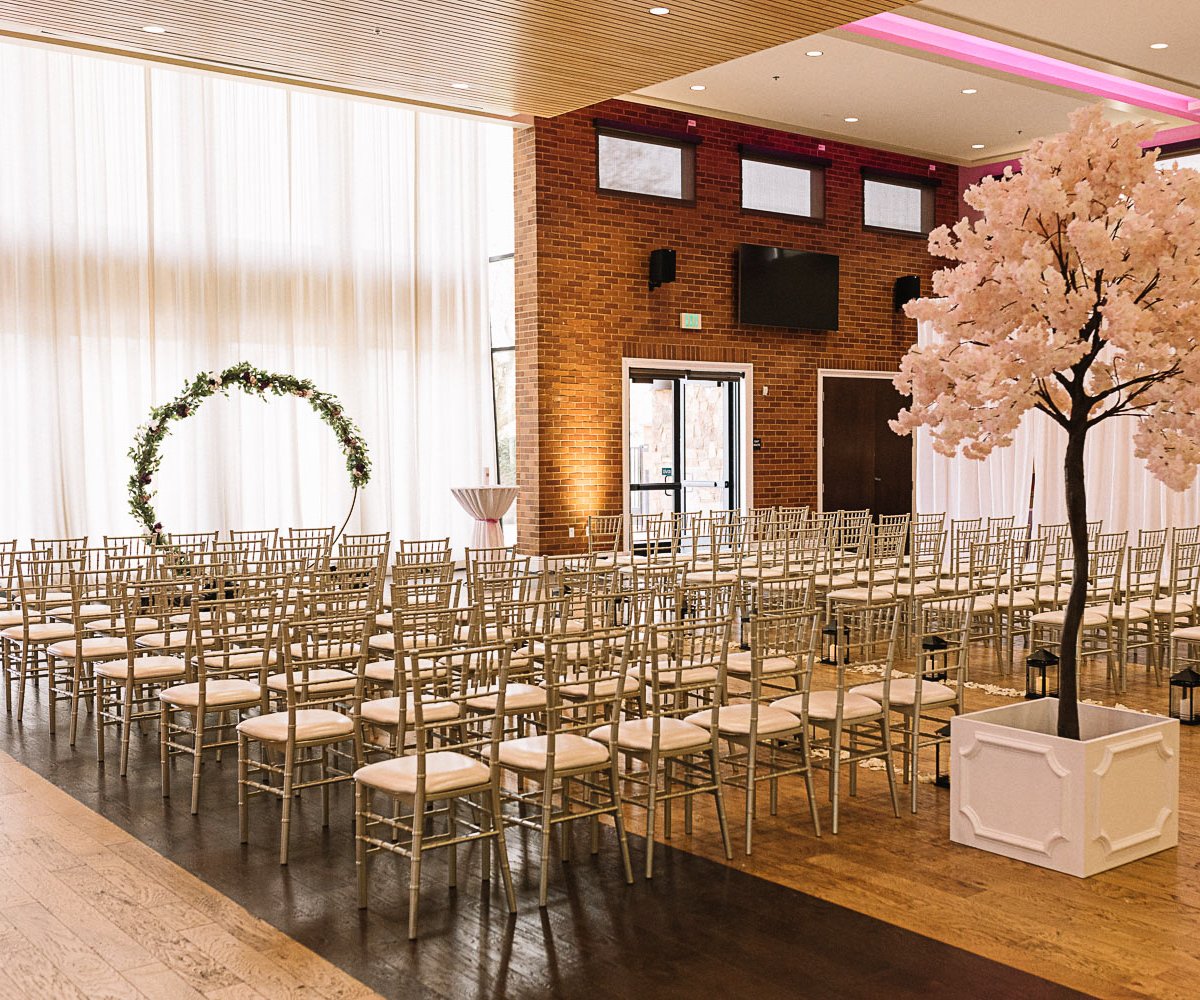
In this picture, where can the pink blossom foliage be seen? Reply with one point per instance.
(1077, 292)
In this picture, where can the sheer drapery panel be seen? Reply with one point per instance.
(155, 223)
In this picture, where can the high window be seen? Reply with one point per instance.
(632, 160)
(782, 183)
(896, 203)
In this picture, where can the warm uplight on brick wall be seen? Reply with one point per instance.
(583, 304)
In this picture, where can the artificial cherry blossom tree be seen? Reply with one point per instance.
(1076, 293)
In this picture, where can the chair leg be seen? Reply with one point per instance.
(125, 727)
(835, 772)
(889, 765)
(547, 813)
(243, 777)
(714, 762)
(751, 797)
(651, 802)
(502, 849)
(614, 784)
(325, 787)
(99, 696)
(414, 876)
(198, 761)
(452, 824)
(809, 786)
(285, 823)
(164, 751)
(362, 805)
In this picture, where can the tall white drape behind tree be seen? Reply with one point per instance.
(1124, 495)
(157, 222)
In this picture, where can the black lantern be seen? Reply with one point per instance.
(935, 648)
(1041, 674)
(939, 779)
(829, 644)
(1184, 698)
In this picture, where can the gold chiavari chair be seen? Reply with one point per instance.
(231, 643)
(319, 717)
(134, 545)
(852, 726)
(767, 734)
(604, 533)
(127, 689)
(94, 612)
(935, 692)
(671, 749)
(1131, 613)
(565, 758)
(451, 774)
(194, 542)
(40, 580)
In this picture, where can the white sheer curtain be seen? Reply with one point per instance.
(157, 222)
(1120, 490)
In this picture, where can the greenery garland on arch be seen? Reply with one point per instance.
(256, 382)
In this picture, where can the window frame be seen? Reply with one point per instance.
(493, 351)
(685, 142)
(926, 185)
(816, 166)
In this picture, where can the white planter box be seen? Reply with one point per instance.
(1076, 806)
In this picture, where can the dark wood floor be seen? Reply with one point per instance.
(699, 928)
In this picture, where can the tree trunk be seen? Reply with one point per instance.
(1068, 682)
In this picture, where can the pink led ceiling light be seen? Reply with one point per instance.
(978, 51)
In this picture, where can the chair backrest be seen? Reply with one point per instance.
(933, 521)
(864, 636)
(1152, 537)
(266, 537)
(604, 532)
(319, 536)
(1186, 535)
(943, 627)
(988, 562)
(296, 554)
(686, 668)
(132, 544)
(237, 637)
(583, 675)
(59, 548)
(324, 642)
(191, 541)
(1143, 571)
(705, 600)
(995, 524)
(964, 533)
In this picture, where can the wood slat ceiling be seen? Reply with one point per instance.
(532, 57)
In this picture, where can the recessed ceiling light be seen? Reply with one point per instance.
(461, 86)
(968, 90)
(977, 145)
(1158, 45)
(660, 11)
(155, 29)
(813, 53)
(697, 86)
(850, 121)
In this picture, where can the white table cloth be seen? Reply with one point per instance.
(487, 504)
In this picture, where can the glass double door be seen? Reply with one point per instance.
(683, 442)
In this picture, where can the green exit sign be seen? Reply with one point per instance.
(689, 321)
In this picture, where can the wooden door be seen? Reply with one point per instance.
(864, 464)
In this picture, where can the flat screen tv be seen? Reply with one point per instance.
(792, 288)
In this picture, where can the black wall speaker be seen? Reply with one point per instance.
(906, 289)
(662, 267)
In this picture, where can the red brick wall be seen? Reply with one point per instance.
(583, 305)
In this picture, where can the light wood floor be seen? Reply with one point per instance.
(1130, 932)
(88, 911)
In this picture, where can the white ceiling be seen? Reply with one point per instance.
(912, 101)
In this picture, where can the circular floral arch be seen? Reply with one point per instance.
(256, 382)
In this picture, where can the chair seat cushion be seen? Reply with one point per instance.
(321, 680)
(85, 611)
(221, 692)
(1191, 632)
(571, 753)
(8, 618)
(409, 640)
(145, 668)
(602, 686)
(904, 691)
(90, 649)
(734, 720)
(118, 624)
(1091, 617)
(1162, 605)
(638, 734)
(47, 632)
(248, 660)
(445, 771)
(860, 595)
(175, 637)
(386, 711)
(711, 576)
(518, 697)
(823, 705)
(1130, 613)
(311, 724)
(739, 663)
